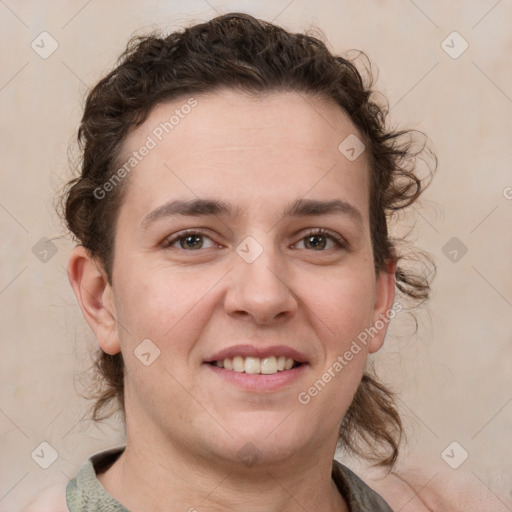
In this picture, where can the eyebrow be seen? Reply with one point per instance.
(213, 207)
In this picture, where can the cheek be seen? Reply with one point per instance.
(342, 303)
(169, 310)
(167, 307)
(150, 302)
(342, 311)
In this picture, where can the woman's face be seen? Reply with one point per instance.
(251, 180)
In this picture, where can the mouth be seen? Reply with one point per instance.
(269, 365)
(258, 369)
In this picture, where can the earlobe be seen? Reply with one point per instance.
(384, 297)
(95, 297)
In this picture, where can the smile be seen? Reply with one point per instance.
(253, 365)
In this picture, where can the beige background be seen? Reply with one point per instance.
(454, 377)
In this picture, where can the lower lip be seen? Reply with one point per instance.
(258, 381)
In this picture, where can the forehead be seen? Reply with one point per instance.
(255, 149)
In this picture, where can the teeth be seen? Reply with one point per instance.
(269, 365)
(266, 366)
(252, 365)
(238, 364)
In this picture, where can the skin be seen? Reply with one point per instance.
(185, 423)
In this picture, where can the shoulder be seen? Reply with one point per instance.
(398, 492)
(52, 498)
(358, 495)
(433, 489)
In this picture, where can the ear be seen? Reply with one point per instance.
(95, 296)
(383, 309)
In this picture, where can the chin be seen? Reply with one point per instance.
(264, 444)
(257, 455)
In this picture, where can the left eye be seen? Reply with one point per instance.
(193, 240)
(318, 240)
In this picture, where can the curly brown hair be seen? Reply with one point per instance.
(239, 52)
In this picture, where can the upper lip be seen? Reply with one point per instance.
(257, 351)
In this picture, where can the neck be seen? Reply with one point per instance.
(149, 478)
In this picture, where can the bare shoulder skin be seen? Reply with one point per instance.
(436, 489)
(52, 498)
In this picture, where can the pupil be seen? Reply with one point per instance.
(195, 241)
(316, 245)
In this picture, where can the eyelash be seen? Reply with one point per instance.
(338, 240)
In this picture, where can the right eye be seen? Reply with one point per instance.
(189, 240)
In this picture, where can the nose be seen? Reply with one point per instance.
(259, 290)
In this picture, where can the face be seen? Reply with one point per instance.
(265, 262)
